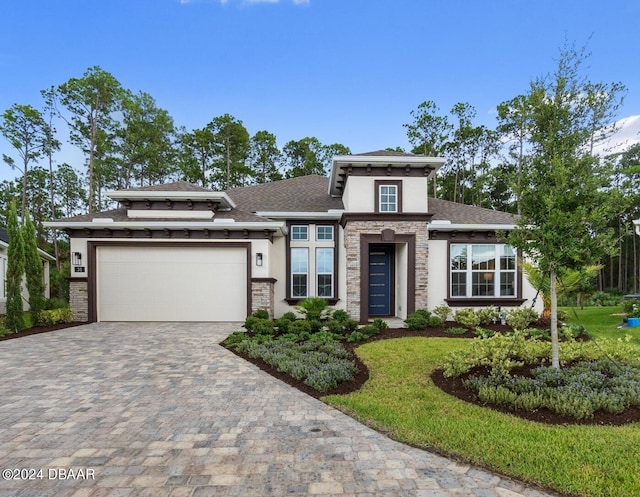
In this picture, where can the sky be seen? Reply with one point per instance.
(344, 71)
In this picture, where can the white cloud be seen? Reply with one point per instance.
(627, 134)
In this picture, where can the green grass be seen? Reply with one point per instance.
(602, 322)
(400, 399)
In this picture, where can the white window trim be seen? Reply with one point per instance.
(380, 202)
(293, 226)
(306, 249)
(324, 273)
(318, 226)
(496, 273)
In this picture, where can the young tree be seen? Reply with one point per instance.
(28, 132)
(15, 271)
(565, 208)
(33, 270)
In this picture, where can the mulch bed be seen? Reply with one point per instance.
(452, 386)
(40, 329)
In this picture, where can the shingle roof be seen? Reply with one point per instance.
(389, 153)
(177, 186)
(467, 214)
(302, 194)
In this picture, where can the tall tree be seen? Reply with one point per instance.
(513, 125)
(147, 154)
(265, 157)
(33, 270)
(15, 271)
(71, 194)
(197, 155)
(92, 101)
(51, 145)
(28, 132)
(565, 207)
(309, 156)
(429, 132)
(232, 147)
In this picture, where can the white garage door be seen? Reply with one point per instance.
(161, 283)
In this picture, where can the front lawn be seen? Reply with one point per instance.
(602, 322)
(400, 399)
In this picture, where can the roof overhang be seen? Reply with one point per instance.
(343, 164)
(329, 215)
(221, 198)
(221, 224)
(41, 252)
(440, 226)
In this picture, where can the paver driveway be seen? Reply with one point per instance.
(161, 409)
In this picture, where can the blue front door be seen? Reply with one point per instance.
(380, 279)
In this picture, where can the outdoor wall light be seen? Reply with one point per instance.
(259, 259)
(76, 258)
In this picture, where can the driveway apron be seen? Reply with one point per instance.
(160, 409)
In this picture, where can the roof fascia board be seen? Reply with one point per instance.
(160, 195)
(221, 225)
(301, 215)
(468, 227)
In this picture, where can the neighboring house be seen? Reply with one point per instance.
(367, 239)
(4, 249)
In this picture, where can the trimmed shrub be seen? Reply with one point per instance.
(340, 315)
(442, 311)
(261, 314)
(350, 325)
(435, 322)
(315, 325)
(55, 303)
(468, 317)
(249, 322)
(380, 324)
(521, 317)
(263, 327)
(288, 316)
(235, 338)
(488, 315)
(55, 316)
(300, 326)
(418, 320)
(334, 326)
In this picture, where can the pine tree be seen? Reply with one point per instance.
(15, 271)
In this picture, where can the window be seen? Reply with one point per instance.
(482, 270)
(324, 233)
(324, 272)
(299, 272)
(300, 232)
(388, 199)
(388, 196)
(311, 261)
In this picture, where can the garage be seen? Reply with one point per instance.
(171, 282)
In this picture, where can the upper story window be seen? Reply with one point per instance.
(300, 232)
(324, 233)
(388, 196)
(482, 270)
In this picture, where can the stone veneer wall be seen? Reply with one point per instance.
(263, 296)
(352, 233)
(79, 300)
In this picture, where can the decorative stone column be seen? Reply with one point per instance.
(79, 299)
(263, 295)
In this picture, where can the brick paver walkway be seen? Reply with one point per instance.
(119, 409)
